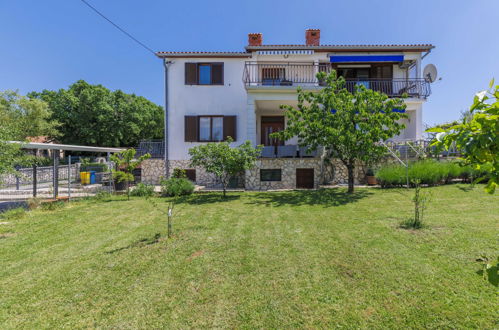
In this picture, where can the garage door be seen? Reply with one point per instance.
(305, 178)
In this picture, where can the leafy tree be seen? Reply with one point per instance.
(26, 117)
(125, 164)
(348, 125)
(94, 115)
(21, 117)
(477, 135)
(223, 161)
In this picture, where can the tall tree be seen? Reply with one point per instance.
(94, 115)
(349, 125)
(26, 117)
(477, 135)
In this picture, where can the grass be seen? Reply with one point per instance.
(256, 260)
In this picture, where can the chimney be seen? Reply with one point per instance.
(255, 39)
(312, 37)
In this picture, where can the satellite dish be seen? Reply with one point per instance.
(430, 72)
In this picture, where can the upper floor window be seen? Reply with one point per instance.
(210, 128)
(204, 73)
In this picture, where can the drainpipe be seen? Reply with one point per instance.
(166, 112)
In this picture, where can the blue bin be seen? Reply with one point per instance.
(92, 177)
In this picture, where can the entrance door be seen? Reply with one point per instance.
(271, 124)
(305, 178)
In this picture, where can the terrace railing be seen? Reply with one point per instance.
(156, 148)
(304, 74)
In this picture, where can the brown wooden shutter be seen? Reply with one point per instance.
(230, 127)
(191, 128)
(217, 73)
(191, 74)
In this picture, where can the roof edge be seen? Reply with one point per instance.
(203, 54)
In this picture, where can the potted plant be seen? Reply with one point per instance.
(371, 179)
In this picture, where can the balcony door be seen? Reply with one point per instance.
(269, 125)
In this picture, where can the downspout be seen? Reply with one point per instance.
(166, 112)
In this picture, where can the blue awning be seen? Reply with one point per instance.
(365, 58)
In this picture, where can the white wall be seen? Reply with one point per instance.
(233, 99)
(229, 99)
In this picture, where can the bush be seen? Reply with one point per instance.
(429, 172)
(97, 167)
(176, 187)
(102, 195)
(143, 190)
(179, 173)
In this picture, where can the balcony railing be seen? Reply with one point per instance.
(155, 148)
(304, 74)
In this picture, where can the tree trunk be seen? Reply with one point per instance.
(128, 189)
(351, 179)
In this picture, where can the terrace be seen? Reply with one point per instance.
(377, 77)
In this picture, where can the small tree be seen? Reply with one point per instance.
(125, 164)
(223, 161)
(349, 125)
(477, 135)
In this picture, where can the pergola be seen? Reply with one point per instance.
(55, 157)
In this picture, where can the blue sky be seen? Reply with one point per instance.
(51, 44)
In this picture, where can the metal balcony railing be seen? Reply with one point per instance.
(155, 148)
(304, 74)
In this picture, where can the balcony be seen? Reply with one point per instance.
(282, 75)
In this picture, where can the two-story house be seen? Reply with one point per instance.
(212, 95)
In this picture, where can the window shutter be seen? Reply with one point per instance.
(217, 73)
(191, 128)
(191, 74)
(230, 127)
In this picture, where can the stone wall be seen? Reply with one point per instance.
(43, 174)
(335, 173)
(288, 168)
(152, 170)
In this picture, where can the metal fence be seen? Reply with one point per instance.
(156, 148)
(59, 181)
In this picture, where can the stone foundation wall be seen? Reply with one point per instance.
(152, 171)
(288, 168)
(335, 173)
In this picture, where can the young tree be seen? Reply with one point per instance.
(223, 161)
(348, 125)
(125, 163)
(95, 115)
(477, 135)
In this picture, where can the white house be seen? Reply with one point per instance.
(211, 95)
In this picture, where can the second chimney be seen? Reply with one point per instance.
(255, 39)
(312, 37)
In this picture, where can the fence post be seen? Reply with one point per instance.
(34, 180)
(110, 181)
(69, 177)
(17, 177)
(55, 173)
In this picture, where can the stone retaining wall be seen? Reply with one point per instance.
(335, 173)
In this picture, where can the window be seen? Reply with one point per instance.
(204, 73)
(210, 128)
(270, 174)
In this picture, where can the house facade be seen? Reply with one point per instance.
(212, 95)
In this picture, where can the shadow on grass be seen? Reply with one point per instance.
(207, 198)
(491, 274)
(325, 197)
(140, 243)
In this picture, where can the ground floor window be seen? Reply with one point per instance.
(270, 174)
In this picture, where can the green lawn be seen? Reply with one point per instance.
(257, 260)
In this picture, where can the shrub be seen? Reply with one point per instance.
(52, 206)
(428, 172)
(143, 190)
(102, 195)
(179, 173)
(97, 167)
(176, 187)
(33, 203)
